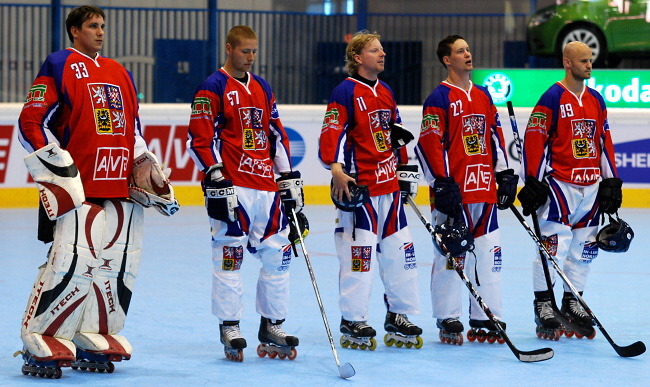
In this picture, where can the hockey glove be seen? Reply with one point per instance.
(610, 195)
(290, 188)
(399, 135)
(507, 188)
(221, 200)
(407, 177)
(533, 195)
(302, 227)
(446, 195)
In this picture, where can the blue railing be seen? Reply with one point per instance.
(170, 51)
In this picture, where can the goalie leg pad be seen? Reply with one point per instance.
(108, 301)
(56, 302)
(57, 178)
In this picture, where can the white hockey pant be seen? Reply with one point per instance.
(274, 252)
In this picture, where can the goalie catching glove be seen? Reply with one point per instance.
(150, 186)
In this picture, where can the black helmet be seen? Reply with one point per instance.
(454, 239)
(616, 236)
(359, 196)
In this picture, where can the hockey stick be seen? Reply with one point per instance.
(525, 356)
(583, 331)
(346, 370)
(631, 350)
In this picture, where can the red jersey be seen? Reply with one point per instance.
(90, 107)
(356, 133)
(238, 125)
(568, 137)
(461, 136)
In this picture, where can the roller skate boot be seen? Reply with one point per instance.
(482, 330)
(357, 334)
(98, 352)
(48, 357)
(401, 331)
(451, 330)
(274, 341)
(548, 326)
(232, 340)
(575, 314)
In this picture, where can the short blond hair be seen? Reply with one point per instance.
(356, 44)
(239, 33)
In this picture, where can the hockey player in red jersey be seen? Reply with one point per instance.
(238, 142)
(462, 153)
(81, 126)
(571, 178)
(361, 142)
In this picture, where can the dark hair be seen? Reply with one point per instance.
(79, 15)
(444, 47)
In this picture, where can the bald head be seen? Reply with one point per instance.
(577, 59)
(575, 50)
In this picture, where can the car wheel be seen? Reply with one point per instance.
(589, 36)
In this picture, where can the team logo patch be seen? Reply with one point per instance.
(497, 259)
(258, 167)
(286, 258)
(477, 177)
(380, 129)
(108, 106)
(255, 137)
(430, 122)
(201, 106)
(460, 262)
(111, 163)
(550, 242)
(386, 169)
(589, 251)
(537, 121)
(409, 256)
(36, 93)
(474, 134)
(361, 258)
(583, 143)
(331, 119)
(232, 258)
(499, 86)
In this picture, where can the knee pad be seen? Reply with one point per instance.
(58, 296)
(118, 263)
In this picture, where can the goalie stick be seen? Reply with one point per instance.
(524, 356)
(581, 330)
(634, 349)
(346, 370)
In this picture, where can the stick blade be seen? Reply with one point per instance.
(631, 350)
(536, 355)
(346, 371)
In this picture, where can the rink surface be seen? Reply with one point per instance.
(175, 337)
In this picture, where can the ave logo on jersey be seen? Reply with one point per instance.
(582, 142)
(585, 175)
(386, 169)
(111, 164)
(108, 106)
(474, 134)
(380, 129)
(254, 136)
(477, 177)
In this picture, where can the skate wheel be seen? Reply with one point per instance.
(409, 345)
(578, 336)
(491, 339)
(399, 344)
(500, 340)
(481, 336)
(388, 341)
(273, 355)
(25, 372)
(373, 344)
(282, 356)
(363, 346)
(419, 342)
(592, 335)
(471, 335)
(293, 354)
(354, 345)
(240, 356)
(568, 333)
(459, 339)
(344, 342)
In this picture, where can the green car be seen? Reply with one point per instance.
(612, 28)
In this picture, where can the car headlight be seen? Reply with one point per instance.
(541, 18)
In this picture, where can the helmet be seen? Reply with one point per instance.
(615, 237)
(454, 239)
(359, 196)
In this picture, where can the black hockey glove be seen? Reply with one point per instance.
(302, 227)
(507, 188)
(221, 200)
(610, 195)
(446, 195)
(399, 135)
(533, 195)
(407, 177)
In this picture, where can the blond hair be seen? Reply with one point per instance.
(356, 44)
(239, 33)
